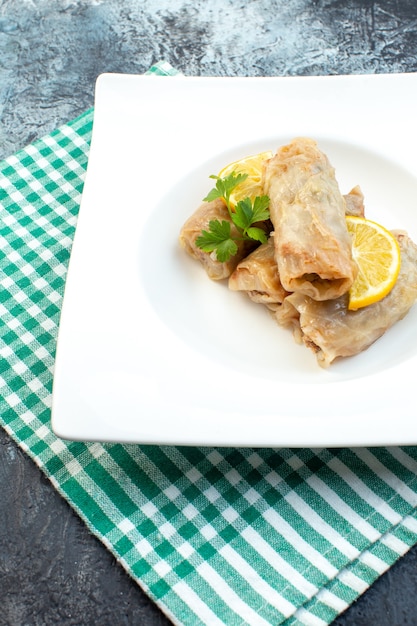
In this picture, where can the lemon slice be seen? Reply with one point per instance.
(377, 255)
(252, 186)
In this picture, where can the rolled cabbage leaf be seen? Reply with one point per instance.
(331, 330)
(258, 275)
(354, 202)
(312, 244)
(200, 220)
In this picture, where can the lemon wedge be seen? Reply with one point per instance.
(252, 186)
(377, 255)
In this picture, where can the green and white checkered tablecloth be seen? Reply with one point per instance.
(214, 535)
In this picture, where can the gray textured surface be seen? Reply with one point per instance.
(51, 51)
(52, 571)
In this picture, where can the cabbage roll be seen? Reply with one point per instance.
(198, 221)
(332, 331)
(354, 202)
(258, 274)
(312, 244)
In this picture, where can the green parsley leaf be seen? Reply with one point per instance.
(224, 187)
(243, 214)
(247, 213)
(213, 195)
(257, 234)
(218, 238)
(260, 209)
(225, 250)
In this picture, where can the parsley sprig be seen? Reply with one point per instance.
(245, 215)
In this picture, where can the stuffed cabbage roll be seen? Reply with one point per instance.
(258, 275)
(198, 221)
(332, 331)
(354, 202)
(312, 244)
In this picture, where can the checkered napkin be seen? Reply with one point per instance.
(214, 535)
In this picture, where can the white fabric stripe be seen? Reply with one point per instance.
(396, 545)
(315, 521)
(410, 523)
(387, 476)
(404, 458)
(349, 579)
(229, 596)
(374, 562)
(299, 544)
(280, 565)
(200, 608)
(270, 595)
(308, 619)
(331, 600)
(343, 509)
(364, 491)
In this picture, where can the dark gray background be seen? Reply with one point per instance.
(52, 571)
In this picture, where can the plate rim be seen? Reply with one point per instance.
(60, 416)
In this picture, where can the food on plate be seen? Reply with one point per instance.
(331, 330)
(258, 275)
(312, 244)
(377, 255)
(252, 167)
(303, 250)
(198, 222)
(354, 201)
(219, 233)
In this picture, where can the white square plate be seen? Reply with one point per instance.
(150, 350)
